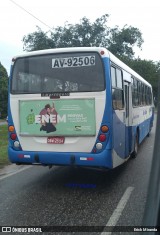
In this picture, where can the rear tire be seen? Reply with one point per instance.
(148, 135)
(136, 144)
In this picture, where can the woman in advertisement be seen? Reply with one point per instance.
(48, 126)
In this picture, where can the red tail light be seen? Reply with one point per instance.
(13, 136)
(102, 138)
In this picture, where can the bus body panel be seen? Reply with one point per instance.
(102, 160)
(119, 133)
(143, 128)
(72, 144)
(142, 122)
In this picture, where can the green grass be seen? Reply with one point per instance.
(3, 145)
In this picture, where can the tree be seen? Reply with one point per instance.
(37, 41)
(3, 91)
(119, 41)
(83, 34)
(123, 40)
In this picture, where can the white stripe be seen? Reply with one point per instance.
(119, 209)
(15, 172)
(83, 158)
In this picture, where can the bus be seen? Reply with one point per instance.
(76, 107)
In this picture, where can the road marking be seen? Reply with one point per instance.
(15, 172)
(119, 209)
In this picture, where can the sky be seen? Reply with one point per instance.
(16, 23)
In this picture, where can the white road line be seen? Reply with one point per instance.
(15, 172)
(119, 209)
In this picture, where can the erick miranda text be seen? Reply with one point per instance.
(145, 229)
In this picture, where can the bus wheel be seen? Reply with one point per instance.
(135, 151)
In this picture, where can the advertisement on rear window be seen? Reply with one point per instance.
(64, 117)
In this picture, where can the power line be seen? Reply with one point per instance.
(31, 14)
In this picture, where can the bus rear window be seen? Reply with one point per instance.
(76, 72)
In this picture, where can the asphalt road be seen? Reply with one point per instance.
(38, 196)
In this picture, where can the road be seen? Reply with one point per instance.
(38, 196)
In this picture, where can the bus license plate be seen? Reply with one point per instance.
(55, 140)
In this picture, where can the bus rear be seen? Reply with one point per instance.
(57, 111)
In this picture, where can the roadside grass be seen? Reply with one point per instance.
(3, 145)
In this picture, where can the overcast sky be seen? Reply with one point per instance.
(15, 23)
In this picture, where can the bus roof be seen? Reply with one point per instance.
(63, 50)
(107, 53)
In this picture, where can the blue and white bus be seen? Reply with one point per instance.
(76, 106)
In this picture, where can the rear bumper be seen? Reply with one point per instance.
(103, 159)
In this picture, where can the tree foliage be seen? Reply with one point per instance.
(3, 91)
(86, 34)
(37, 41)
(123, 40)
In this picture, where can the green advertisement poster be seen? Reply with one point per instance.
(63, 117)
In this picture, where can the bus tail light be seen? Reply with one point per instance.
(13, 136)
(11, 128)
(102, 138)
(99, 146)
(104, 129)
(16, 144)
